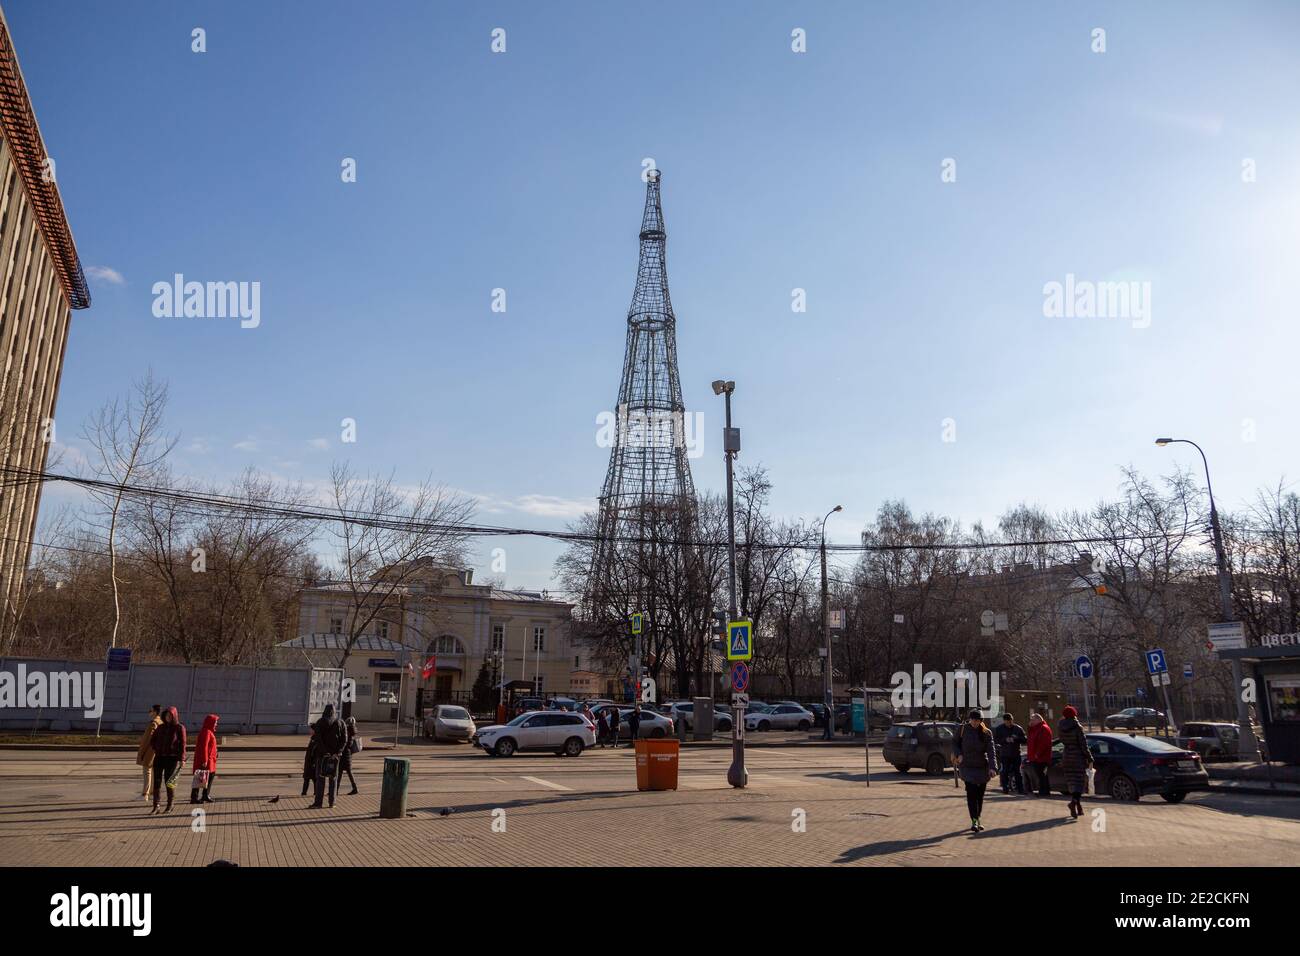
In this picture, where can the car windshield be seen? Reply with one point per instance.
(454, 713)
(1152, 745)
(520, 719)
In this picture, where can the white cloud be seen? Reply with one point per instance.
(543, 506)
(248, 444)
(321, 443)
(106, 274)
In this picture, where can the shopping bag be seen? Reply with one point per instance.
(1089, 788)
(200, 781)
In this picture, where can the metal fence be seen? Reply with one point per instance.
(249, 700)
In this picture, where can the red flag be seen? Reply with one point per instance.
(430, 666)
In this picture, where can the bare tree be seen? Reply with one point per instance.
(129, 447)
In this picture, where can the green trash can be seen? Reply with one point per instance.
(392, 800)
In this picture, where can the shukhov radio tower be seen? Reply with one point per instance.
(648, 497)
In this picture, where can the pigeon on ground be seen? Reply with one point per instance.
(444, 812)
(275, 799)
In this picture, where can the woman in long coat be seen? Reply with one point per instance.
(309, 764)
(144, 753)
(345, 761)
(1076, 759)
(977, 763)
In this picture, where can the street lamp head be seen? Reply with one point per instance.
(719, 386)
(837, 508)
(1162, 442)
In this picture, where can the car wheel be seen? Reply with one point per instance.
(657, 733)
(804, 725)
(505, 747)
(934, 765)
(764, 726)
(572, 747)
(1122, 787)
(1173, 797)
(902, 767)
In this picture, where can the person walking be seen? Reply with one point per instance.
(144, 754)
(1075, 760)
(205, 760)
(332, 740)
(168, 745)
(1009, 737)
(634, 722)
(602, 729)
(1038, 752)
(353, 746)
(613, 727)
(977, 762)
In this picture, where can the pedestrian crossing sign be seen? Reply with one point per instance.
(636, 623)
(740, 641)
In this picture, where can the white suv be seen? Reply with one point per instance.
(558, 731)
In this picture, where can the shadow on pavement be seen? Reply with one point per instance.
(869, 850)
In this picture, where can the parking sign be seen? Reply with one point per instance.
(1156, 661)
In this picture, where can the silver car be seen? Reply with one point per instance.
(449, 722)
(780, 717)
(651, 725)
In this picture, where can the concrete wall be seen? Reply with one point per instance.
(249, 700)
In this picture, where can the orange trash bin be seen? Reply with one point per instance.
(656, 764)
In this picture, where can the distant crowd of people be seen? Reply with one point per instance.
(162, 751)
(980, 754)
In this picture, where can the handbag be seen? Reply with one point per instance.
(329, 766)
(200, 781)
(354, 745)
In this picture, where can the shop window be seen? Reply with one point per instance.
(390, 686)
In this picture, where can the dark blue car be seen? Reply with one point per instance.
(1129, 765)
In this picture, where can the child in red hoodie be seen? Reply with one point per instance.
(205, 758)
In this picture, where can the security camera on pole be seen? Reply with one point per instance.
(736, 775)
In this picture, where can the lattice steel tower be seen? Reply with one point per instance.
(648, 496)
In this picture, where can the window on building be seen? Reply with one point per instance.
(449, 645)
(577, 662)
(389, 687)
(537, 683)
(336, 625)
(498, 637)
(381, 629)
(539, 638)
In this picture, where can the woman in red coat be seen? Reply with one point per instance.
(205, 757)
(1039, 751)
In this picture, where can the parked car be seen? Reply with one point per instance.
(922, 743)
(780, 717)
(1129, 765)
(652, 724)
(561, 733)
(563, 703)
(1136, 718)
(819, 714)
(449, 722)
(1212, 739)
(685, 711)
(530, 703)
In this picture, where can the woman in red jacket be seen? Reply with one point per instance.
(1039, 751)
(205, 758)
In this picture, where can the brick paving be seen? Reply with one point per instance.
(587, 812)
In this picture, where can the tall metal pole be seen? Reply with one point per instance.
(1247, 746)
(828, 686)
(736, 774)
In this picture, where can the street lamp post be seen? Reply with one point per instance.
(1247, 746)
(828, 687)
(736, 774)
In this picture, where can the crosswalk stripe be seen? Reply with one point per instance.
(547, 783)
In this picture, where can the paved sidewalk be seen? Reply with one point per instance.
(587, 812)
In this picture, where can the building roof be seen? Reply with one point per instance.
(338, 642)
(24, 138)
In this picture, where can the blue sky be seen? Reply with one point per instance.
(781, 170)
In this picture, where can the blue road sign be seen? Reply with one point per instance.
(1187, 671)
(740, 677)
(1084, 665)
(1142, 693)
(1156, 662)
(119, 659)
(740, 643)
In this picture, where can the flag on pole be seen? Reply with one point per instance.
(430, 666)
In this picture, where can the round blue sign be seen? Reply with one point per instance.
(1084, 664)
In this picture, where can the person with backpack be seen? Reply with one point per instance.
(1038, 752)
(353, 746)
(1075, 760)
(168, 745)
(977, 763)
(144, 754)
(205, 760)
(1009, 737)
(332, 740)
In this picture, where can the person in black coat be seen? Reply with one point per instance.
(345, 762)
(634, 722)
(331, 740)
(613, 726)
(1010, 736)
(977, 763)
